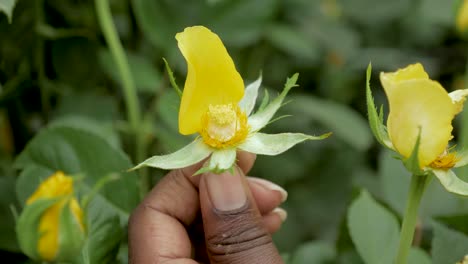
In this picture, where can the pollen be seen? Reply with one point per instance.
(445, 161)
(224, 126)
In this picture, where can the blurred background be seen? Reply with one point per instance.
(62, 105)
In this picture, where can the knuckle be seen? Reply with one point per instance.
(236, 237)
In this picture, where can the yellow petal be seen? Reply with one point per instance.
(47, 246)
(420, 103)
(458, 98)
(212, 77)
(57, 184)
(462, 16)
(413, 71)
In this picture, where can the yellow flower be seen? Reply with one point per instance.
(462, 16)
(212, 78)
(51, 199)
(420, 105)
(215, 105)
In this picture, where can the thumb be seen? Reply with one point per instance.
(234, 232)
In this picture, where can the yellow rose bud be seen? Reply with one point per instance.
(462, 17)
(421, 106)
(51, 225)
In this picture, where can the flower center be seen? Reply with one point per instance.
(224, 125)
(445, 160)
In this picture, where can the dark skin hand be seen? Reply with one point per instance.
(208, 218)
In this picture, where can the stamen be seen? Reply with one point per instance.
(224, 126)
(445, 161)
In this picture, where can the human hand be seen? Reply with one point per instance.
(238, 215)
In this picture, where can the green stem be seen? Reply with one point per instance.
(131, 99)
(463, 171)
(39, 57)
(416, 190)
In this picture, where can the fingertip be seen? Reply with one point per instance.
(246, 160)
(266, 194)
(274, 220)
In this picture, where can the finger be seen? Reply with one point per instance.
(234, 230)
(266, 194)
(245, 160)
(274, 220)
(157, 227)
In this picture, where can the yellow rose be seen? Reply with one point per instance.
(418, 103)
(51, 225)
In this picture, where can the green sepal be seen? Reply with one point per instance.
(247, 103)
(261, 118)
(172, 78)
(27, 226)
(186, 156)
(375, 119)
(412, 162)
(220, 161)
(71, 235)
(451, 182)
(265, 100)
(462, 159)
(7, 8)
(274, 144)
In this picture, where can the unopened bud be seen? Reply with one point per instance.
(50, 226)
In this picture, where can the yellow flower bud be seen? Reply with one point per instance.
(51, 225)
(421, 105)
(462, 17)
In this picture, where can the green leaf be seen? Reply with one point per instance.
(448, 245)
(261, 118)
(105, 234)
(247, 103)
(274, 144)
(294, 42)
(186, 156)
(451, 182)
(373, 229)
(345, 123)
(7, 6)
(412, 162)
(166, 125)
(27, 227)
(154, 19)
(383, 12)
(146, 76)
(94, 106)
(71, 235)
(375, 120)
(317, 252)
(105, 130)
(172, 78)
(236, 28)
(418, 256)
(76, 151)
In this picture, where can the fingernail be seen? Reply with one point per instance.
(281, 213)
(225, 190)
(271, 186)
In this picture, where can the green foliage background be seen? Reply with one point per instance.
(62, 108)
